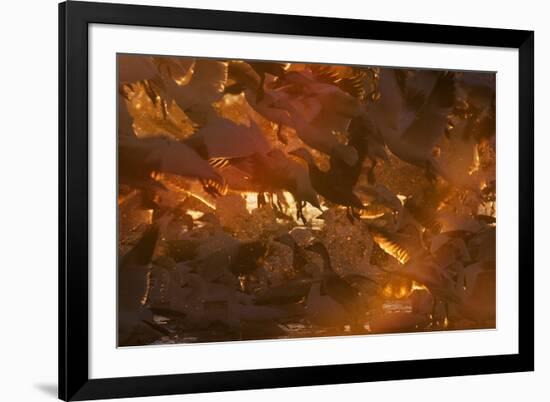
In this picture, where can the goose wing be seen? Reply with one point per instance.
(223, 138)
(391, 112)
(171, 156)
(132, 68)
(241, 75)
(208, 79)
(430, 121)
(205, 85)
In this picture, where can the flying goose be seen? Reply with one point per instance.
(412, 119)
(324, 185)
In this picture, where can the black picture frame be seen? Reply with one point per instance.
(74, 381)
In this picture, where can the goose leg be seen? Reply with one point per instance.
(299, 212)
(279, 205)
(276, 203)
(261, 199)
(350, 215)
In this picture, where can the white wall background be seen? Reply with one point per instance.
(28, 198)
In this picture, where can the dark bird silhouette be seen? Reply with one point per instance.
(274, 172)
(327, 186)
(412, 114)
(299, 259)
(344, 175)
(339, 289)
(333, 285)
(248, 257)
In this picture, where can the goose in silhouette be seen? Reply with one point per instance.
(471, 126)
(321, 113)
(222, 140)
(322, 309)
(291, 291)
(437, 279)
(333, 300)
(275, 169)
(199, 302)
(196, 96)
(227, 260)
(142, 159)
(299, 260)
(411, 117)
(324, 185)
(273, 172)
(344, 174)
(330, 97)
(246, 80)
(333, 284)
(163, 155)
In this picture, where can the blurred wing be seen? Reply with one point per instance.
(177, 68)
(332, 122)
(432, 118)
(132, 68)
(209, 78)
(226, 139)
(390, 112)
(242, 75)
(177, 158)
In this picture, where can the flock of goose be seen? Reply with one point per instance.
(270, 200)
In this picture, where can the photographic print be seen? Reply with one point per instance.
(272, 200)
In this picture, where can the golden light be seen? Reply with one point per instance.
(393, 249)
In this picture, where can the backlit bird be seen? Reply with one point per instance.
(412, 118)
